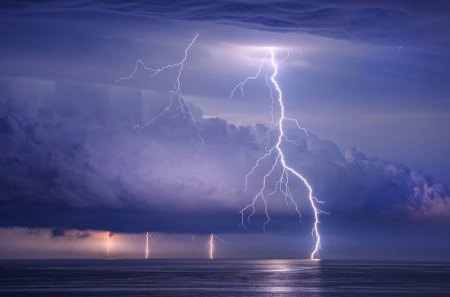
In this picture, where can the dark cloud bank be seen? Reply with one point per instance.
(400, 22)
(70, 159)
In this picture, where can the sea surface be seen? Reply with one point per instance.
(221, 278)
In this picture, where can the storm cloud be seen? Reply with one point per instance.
(384, 22)
(71, 159)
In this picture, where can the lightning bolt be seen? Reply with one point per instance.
(176, 106)
(148, 237)
(211, 246)
(275, 152)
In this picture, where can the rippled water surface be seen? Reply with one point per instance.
(222, 278)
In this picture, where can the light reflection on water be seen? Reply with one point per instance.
(221, 278)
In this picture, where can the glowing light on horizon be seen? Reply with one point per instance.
(176, 105)
(275, 151)
(109, 243)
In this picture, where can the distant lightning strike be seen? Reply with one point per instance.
(148, 237)
(211, 246)
(276, 153)
(146, 246)
(176, 106)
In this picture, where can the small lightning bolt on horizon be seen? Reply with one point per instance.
(176, 106)
(211, 246)
(275, 152)
(148, 237)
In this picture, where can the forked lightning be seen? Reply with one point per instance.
(276, 153)
(176, 106)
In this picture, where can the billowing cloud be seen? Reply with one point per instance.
(71, 159)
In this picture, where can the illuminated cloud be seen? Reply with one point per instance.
(76, 164)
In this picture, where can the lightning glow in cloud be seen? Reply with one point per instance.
(176, 106)
(276, 154)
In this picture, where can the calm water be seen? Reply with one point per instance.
(222, 278)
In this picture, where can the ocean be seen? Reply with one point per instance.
(157, 277)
